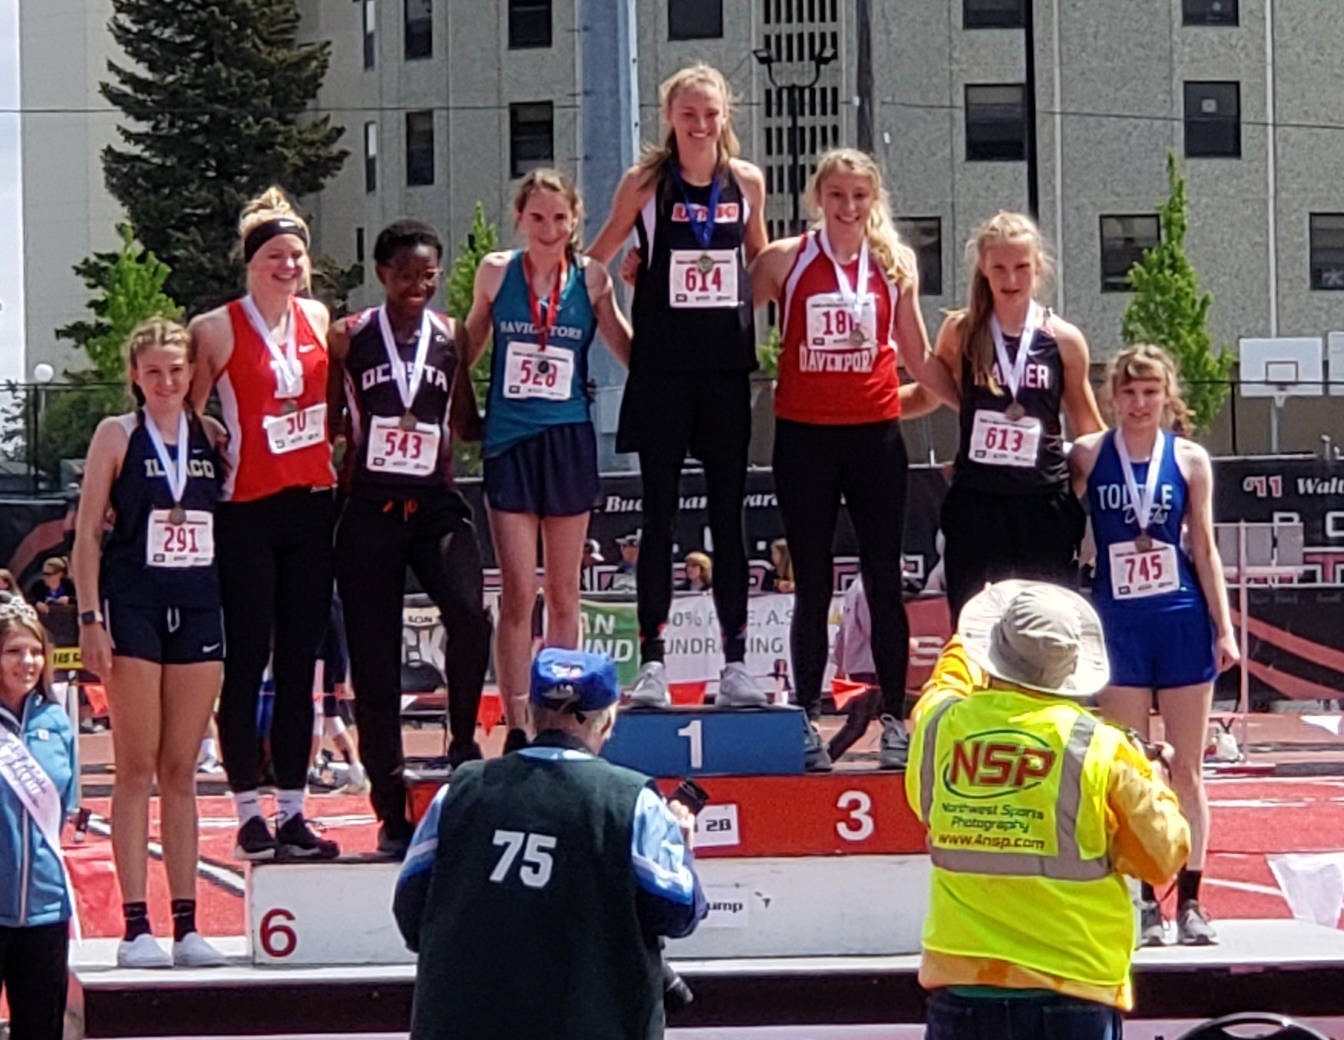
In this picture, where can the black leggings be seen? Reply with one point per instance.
(33, 977)
(375, 542)
(991, 536)
(274, 557)
(814, 465)
(709, 416)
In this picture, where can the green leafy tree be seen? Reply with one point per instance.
(767, 354)
(127, 287)
(1169, 311)
(217, 102)
(482, 238)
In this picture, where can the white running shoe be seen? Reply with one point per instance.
(650, 689)
(193, 951)
(738, 688)
(356, 780)
(142, 952)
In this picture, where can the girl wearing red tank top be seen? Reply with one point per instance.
(266, 356)
(848, 293)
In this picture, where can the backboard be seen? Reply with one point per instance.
(1282, 366)
(1334, 348)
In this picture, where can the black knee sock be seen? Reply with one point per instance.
(184, 918)
(1146, 893)
(1187, 885)
(137, 919)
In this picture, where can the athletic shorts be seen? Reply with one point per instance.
(165, 635)
(333, 707)
(1160, 650)
(551, 474)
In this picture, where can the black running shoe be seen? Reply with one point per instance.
(392, 844)
(462, 751)
(297, 840)
(515, 741)
(255, 841)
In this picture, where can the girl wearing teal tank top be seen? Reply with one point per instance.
(541, 305)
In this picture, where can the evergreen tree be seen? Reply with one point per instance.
(1168, 309)
(458, 290)
(216, 100)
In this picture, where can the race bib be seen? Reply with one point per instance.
(997, 440)
(831, 325)
(295, 430)
(188, 544)
(530, 372)
(1138, 573)
(409, 453)
(702, 278)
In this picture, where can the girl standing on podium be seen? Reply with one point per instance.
(848, 295)
(1010, 512)
(541, 305)
(698, 212)
(399, 367)
(1160, 593)
(266, 356)
(150, 624)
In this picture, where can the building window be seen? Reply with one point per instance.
(996, 122)
(529, 23)
(1213, 120)
(1123, 240)
(992, 14)
(531, 136)
(694, 19)
(1327, 251)
(370, 33)
(370, 156)
(359, 245)
(419, 28)
(925, 236)
(1209, 12)
(419, 148)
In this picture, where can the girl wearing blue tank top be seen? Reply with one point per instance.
(1159, 591)
(150, 624)
(542, 305)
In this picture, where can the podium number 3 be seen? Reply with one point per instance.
(692, 732)
(535, 870)
(859, 806)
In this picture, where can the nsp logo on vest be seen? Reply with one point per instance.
(997, 762)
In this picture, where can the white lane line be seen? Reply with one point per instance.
(1245, 886)
(226, 878)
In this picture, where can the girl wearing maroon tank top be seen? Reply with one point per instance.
(266, 357)
(848, 293)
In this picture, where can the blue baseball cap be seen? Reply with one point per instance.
(571, 680)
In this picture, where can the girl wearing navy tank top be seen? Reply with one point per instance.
(1159, 591)
(266, 356)
(398, 369)
(541, 305)
(150, 624)
(1009, 512)
(698, 213)
(848, 295)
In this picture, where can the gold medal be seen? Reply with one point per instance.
(177, 515)
(1143, 542)
(856, 336)
(407, 422)
(705, 263)
(1015, 411)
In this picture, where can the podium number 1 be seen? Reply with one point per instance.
(691, 731)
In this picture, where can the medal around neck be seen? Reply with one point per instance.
(1013, 373)
(174, 469)
(284, 360)
(408, 421)
(851, 295)
(1144, 500)
(1015, 410)
(406, 389)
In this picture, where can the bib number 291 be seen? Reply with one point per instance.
(535, 869)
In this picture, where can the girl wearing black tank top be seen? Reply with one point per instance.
(150, 624)
(1010, 512)
(699, 214)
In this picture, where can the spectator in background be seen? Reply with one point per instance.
(53, 588)
(592, 554)
(699, 573)
(853, 657)
(7, 582)
(624, 578)
(779, 578)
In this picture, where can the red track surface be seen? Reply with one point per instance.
(1251, 819)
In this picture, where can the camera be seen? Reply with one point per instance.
(676, 994)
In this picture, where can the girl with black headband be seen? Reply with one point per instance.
(266, 357)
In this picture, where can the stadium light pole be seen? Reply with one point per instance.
(820, 59)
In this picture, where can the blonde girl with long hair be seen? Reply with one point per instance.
(266, 356)
(542, 305)
(697, 210)
(150, 624)
(848, 297)
(1160, 592)
(1019, 368)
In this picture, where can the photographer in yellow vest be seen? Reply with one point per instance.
(1036, 810)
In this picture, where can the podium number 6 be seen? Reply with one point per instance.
(691, 731)
(859, 806)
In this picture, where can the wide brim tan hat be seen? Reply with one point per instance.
(1036, 635)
